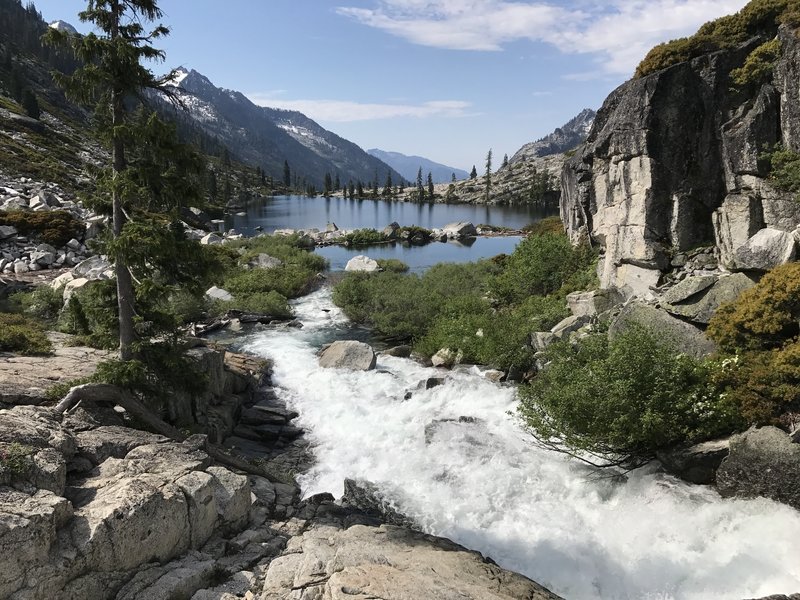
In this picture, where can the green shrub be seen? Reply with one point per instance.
(541, 265)
(264, 303)
(764, 317)
(43, 303)
(364, 237)
(91, 315)
(762, 386)
(393, 265)
(622, 400)
(547, 225)
(291, 250)
(757, 17)
(23, 335)
(758, 66)
(783, 166)
(55, 227)
(15, 459)
(288, 280)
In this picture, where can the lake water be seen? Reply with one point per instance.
(300, 212)
(420, 258)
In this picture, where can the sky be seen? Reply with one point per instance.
(443, 79)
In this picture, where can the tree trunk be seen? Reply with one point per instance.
(125, 293)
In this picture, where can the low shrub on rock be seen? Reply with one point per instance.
(55, 227)
(23, 335)
(618, 401)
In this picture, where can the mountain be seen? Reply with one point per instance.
(409, 166)
(267, 137)
(564, 138)
(532, 175)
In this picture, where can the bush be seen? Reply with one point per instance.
(23, 335)
(758, 66)
(783, 167)
(392, 265)
(15, 459)
(547, 225)
(758, 17)
(622, 400)
(763, 317)
(264, 303)
(761, 386)
(288, 280)
(43, 303)
(91, 315)
(544, 264)
(364, 237)
(291, 250)
(55, 227)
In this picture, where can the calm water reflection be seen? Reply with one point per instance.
(420, 258)
(299, 212)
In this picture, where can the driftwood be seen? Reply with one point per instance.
(104, 392)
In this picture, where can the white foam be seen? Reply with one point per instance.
(487, 487)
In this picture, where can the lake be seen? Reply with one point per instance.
(301, 212)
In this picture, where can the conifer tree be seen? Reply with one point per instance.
(505, 161)
(430, 186)
(387, 188)
(287, 174)
(30, 104)
(488, 173)
(113, 69)
(337, 185)
(474, 173)
(420, 187)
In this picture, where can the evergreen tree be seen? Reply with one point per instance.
(420, 186)
(375, 186)
(30, 104)
(359, 189)
(287, 174)
(505, 161)
(328, 185)
(430, 186)
(351, 189)
(212, 185)
(402, 187)
(488, 173)
(474, 173)
(112, 68)
(453, 177)
(387, 188)
(337, 185)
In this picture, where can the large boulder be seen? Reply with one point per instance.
(392, 563)
(367, 497)
(265, 261)
(701, 306)
(591, 304)
(348, 354)
(684, 336)
(697, 463)
(766, 250)
(762, 462)
(459, 230)
(96, 267)
(362, 263)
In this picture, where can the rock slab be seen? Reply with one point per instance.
(348, 354)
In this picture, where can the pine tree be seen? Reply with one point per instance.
(420, 186)
(112, 67)
(328, 185)
(337, 185)
(430, 186)
(505, 161)
(453, 177)
(488, 173)
(359, 189)
(351, 189)
(387, 188)
(212, 186)
(474, 173)
(287, 174)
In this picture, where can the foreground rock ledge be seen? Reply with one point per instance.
(390, 563)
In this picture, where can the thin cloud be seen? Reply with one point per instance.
(344, 111)
(619, 32)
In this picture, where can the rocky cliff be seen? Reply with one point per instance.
(672, 163)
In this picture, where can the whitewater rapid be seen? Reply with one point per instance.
(485, 485)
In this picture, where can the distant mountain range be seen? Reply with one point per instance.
(267, 137)
(408, 166)
(564, 138)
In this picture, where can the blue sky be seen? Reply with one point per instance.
(445, 79)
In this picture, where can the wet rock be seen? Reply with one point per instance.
(349, 354)
(366, 497)
(447, 358)
(698, 463)
(398, 351)
(459, 230)
(762, 462)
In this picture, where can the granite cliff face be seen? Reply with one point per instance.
(672, 163)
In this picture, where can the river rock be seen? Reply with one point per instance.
(686, 337)
(217, 293)
(459, 230)
(362, 263)
(211, 239)
(391, 563)
(403, 351)
(700, 307)
(762, 462)
(766, 250)
(348, 354)
(366, 497)
(447, 358)
(698, 463)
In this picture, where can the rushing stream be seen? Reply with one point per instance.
(486, 486)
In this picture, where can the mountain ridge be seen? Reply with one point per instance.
(408, 166)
